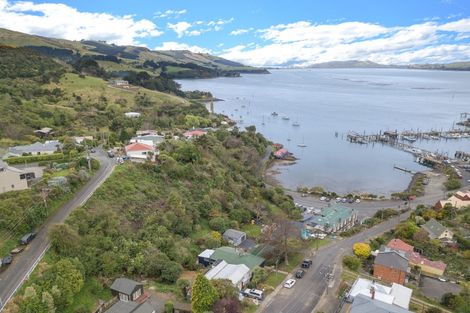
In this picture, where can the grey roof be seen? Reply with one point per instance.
(122, 307)
(233, 234)
(124, 285)
(363, 304)
(51, 145)
(434, 228)
(130, 307)
(392, 259)
(247, 244)
(10, 168)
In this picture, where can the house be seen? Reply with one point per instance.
(363, 304)
(131, 307)
(428, 267)
(12, 178)
(231, 256)
(396, 295)
(234, 237)
(332, 219)
(121, 83)
(37, 148)
(391, 266)
(126, 289)
(204, 258)
(238, 274)
(437, 231)
(400, 246)
(195, 133)
(150, 140)
(43, 132)
(132, 114)
(139, 152)
(281, 153)
(80, 139)
(460, 199)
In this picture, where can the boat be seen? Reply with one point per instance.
(409, 138)
(274, 114)
(302, 145)
(285, 118)
(296, 124)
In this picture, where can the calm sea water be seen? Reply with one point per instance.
(326, 102)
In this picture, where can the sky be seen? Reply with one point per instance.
(261, 32)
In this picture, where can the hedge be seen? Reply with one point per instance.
(36, 158)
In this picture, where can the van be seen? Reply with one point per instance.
(254, 293)
(27, 238)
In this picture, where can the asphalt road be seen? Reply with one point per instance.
(306, 293)
(13, 277)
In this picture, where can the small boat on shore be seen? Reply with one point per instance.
(274, 114)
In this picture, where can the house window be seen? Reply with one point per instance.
(12, 186)
(123, 297)
(22, 176)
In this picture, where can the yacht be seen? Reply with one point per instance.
(285, 118)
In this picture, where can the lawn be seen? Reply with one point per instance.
(252, 230)
(87, 299)
(294, 261)
(274, 279)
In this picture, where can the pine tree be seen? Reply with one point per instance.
(203, 296)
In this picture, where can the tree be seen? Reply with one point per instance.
(259, 275)
(183, 286)
(362, 250)
(352, 262)
(203, 296)
(65, 241)
(169, 308)
(170, 272)
(421, 236)
(282, 235)
(225, 288)
(227, 305)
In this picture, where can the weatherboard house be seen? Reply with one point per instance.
(333, 219)
(436, 230)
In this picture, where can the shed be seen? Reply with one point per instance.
(234, 237)
(126, 289)
(204, 258)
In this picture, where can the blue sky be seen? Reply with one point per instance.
(266, 33)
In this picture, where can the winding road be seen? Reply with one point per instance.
(14, 276)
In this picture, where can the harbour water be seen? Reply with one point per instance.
(328, 103)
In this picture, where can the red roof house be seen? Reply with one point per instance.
(400, 245)
(281, 153)
(139, 150)
(194, 133)
(428, 267)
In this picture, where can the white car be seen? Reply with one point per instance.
(358, 200)
(289, 283)
(322, 198)
(442, 279)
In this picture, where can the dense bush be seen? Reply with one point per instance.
(352, 262)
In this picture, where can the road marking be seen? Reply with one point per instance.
(36, 262)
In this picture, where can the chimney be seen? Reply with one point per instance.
(372, 293)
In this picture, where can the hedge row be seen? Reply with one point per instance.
(35, 158)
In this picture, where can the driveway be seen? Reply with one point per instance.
(14, 276)
(434, 288)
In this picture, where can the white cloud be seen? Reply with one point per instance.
(170, 13)
(172, 45)
(179, 28)
(183, 28)
(240, 31)
(303, 43)
(61, 21)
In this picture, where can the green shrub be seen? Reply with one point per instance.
(352, 262)
(169, 307)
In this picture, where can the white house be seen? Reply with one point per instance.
(238, 274)
(132, 114)
(396, 295)
(139, 152)
(150, 140)
(12, 178)
(37, 148)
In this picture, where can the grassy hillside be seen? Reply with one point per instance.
(129, 57)
(37, 91)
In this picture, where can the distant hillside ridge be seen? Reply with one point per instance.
(119, 60)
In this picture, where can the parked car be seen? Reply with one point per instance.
(17, 250)
(7, 260)
(442, 279)
(322, 198)
(92, 150)
(289, 283)
(110, 154)
(358, 200)
(26, 239)
(299, 274)
(254, 293)
(306, 263)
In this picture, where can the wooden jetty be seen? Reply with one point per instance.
(404, 169)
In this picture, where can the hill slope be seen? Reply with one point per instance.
(182, 63)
